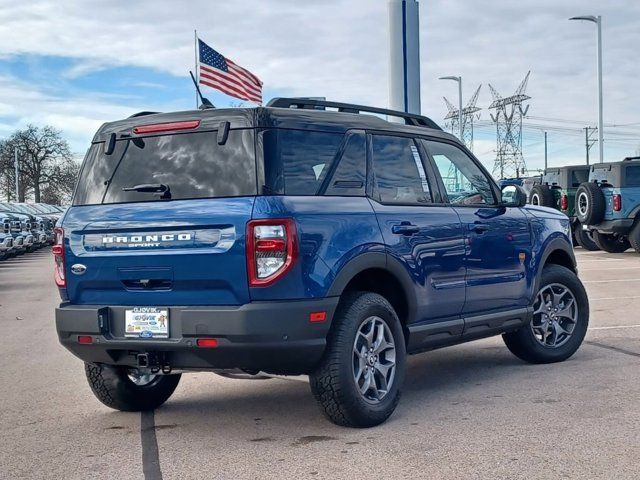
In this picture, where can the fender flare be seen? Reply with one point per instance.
(382, 261)
(557, 243)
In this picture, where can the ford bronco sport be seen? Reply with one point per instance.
(608, 204)
(304, 237)
(558, 190)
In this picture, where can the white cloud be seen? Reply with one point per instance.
(338, 49)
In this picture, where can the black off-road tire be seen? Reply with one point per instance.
(113, 387)
(611, 243)
(523, 344)
(543, 196)
(591, 210)
(333, 384)
(634, 237)
(584, 238)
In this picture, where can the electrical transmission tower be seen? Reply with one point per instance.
(508, 119)
(468, 114)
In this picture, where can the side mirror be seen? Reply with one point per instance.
(513, 196)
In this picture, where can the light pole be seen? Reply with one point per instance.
(598, 21)
(459, 80)
(17, 167)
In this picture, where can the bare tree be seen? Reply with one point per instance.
(45, 162)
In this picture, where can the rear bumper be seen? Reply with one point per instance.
(620, 226)
(269, 336)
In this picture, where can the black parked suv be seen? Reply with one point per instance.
(557, 189)
(292, 239)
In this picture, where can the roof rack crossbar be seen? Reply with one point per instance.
(304, 103)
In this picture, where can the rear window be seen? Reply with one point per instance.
(192, 165)
(297, 161)
(578, 177)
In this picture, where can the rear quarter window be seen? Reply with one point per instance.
(633, 176)
(192, 165)
(296, 162)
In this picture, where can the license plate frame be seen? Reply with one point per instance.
(146, 322)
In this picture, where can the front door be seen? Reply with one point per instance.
(498, 240)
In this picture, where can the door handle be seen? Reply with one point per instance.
(478, 227)
(405, 228)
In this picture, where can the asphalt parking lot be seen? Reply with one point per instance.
(472, 411)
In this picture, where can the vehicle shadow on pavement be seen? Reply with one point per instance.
(433, 381)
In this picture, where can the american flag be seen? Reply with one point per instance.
(221, 73)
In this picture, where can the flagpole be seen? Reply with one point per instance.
(196, 69)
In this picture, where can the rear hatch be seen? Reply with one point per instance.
(161, 219)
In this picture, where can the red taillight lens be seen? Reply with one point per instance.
(166, 127)
(271, 249)
(58, 257)
(207, 342)
(617, 202)
(564, 202)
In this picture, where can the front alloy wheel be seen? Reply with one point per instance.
(555, 315)
(559, 320)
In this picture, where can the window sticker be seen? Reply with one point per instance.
(421, 172)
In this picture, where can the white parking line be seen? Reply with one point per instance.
(616, 280)
(603, 269)
(614, 327)
(615, 298)
(604, 260)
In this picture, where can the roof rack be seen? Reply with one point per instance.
(305, 103)
(628, 159)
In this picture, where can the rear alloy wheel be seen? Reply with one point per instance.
(542, 196)
(611, 243)
(589, 203)
(584, 238)
(559, 321)
(129, 390)
(358, 381)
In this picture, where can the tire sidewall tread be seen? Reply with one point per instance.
(523, 344)
(332, 382)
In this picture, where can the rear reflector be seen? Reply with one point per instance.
(317, 317)
(617, 202)
(564, 202)
(166, 127)
(207, 342)
(85, 339)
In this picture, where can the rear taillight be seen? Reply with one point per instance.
(617, 202)
(271, 250)
(58, 256)
(564, 202)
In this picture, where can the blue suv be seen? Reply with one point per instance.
(608, 205)
(304, 237)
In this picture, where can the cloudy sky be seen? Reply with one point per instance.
(77, 64)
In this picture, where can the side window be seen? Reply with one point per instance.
(297, 161)
(349, 177)
(633, 176)
(463, 180)
(399, 172)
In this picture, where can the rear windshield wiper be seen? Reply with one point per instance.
(150, 188)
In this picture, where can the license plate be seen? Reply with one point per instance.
(146, 322)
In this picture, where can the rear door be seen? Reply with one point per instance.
(424, 236)
(182, 234)
(498, 240)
